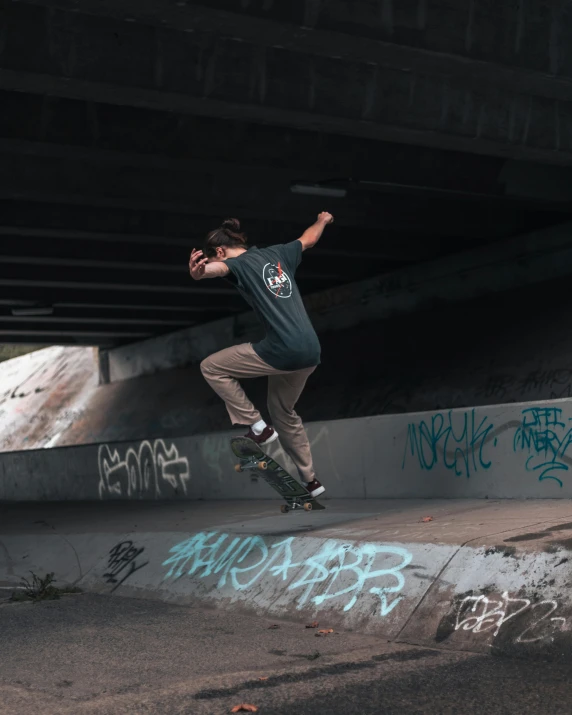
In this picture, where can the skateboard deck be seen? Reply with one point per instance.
(252, 456)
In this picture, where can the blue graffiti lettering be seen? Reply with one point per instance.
(458, 438)
(338, 570)
(545, 435)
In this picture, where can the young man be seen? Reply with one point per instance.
(290, 351)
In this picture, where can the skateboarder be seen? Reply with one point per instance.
(290, 351)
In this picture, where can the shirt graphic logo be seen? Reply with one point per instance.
(277, 281)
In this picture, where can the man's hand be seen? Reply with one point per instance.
(199, 268)
(311, 235)
(325, 217)
(197, 265)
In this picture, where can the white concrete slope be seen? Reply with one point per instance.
(43, 394)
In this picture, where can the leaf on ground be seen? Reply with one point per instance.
(324, 631)
(263, 678)
(273, 627)
(314, 624)
(244, 708)
(426, 519)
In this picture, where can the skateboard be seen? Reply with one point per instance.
(253, 458)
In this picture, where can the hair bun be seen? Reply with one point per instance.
(232, 224)
(227, 234)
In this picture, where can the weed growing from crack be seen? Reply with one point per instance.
(41, 589)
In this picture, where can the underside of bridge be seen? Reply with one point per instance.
(128, 128)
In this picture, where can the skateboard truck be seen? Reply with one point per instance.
(285, 508)
(251, 464)
(295, 502)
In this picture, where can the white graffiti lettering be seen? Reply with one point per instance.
(490, 614)
(338, 571)
(142, 471)
(558, 623)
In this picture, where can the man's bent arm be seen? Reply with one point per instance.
(312, 235)
(215, 270)
(199, 267)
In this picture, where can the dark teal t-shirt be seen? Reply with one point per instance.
(265, 279)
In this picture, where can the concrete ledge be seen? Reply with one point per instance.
(498, 600)
(509, 595)
(504, 451)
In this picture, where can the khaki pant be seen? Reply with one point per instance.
(223, 370)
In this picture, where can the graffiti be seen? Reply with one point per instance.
(122, 563)
(561, 393)
(497, 387)
(342, 571)
(455, 436)
(488, 615)
(546, 436)
(328, 299)
(279, 454)
(549, 383)
(141, 470)
(45, 374)
(458, 441)
(538, 379)
(215, 450)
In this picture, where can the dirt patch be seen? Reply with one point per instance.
(528, 537)
(563, 543)
(506, 551)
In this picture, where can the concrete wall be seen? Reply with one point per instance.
(508, 451)
(495, 349)
(523, 261)
(447, 352)
(507, 348)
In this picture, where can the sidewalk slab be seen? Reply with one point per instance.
(455, 521)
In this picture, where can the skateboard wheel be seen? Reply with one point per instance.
(284, 508)
(308, 506)
(262, 465)
(238, 467)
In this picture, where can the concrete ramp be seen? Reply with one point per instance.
(505, 590)
(439, 595)
(494, 599)
(360, 586)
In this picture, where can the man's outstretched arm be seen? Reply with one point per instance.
(311, 235)
(199, 268)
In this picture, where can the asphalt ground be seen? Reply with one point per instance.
(87, 653)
